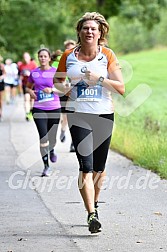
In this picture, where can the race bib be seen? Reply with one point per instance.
(43, 97)
(89, 93)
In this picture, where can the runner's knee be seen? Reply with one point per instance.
(44, 143)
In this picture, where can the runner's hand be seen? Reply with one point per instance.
(91, 78)
(47, 90)
(32, 94)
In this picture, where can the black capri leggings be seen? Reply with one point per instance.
(47, 124)
(91, 135)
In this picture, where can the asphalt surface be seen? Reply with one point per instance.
(47, 214)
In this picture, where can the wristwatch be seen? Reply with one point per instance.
(100, 80)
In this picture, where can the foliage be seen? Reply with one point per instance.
(108, 7)
(126, 36)
(160, 30)
(19, 26)
(27, 25)
(146, 11)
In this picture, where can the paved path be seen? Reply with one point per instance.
(47, 214)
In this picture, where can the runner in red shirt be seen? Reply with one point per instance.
(25, 68)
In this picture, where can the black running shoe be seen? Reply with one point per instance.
(93, 223)
(46, 172)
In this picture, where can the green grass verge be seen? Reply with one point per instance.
(142, 135)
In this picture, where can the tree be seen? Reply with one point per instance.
(28, 24)
(108, 7)
(146, 11)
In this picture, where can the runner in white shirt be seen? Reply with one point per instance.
(11, 80)
(94, 73)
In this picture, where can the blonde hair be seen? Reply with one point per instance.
(100, 20)
(69, 42)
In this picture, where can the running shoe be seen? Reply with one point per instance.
(29, 116)
(53, 157)
(93, 223)
(62, 136)
(46, 172)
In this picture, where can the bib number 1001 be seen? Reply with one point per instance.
(88, 92)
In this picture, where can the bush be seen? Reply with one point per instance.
(132, 35)
(126, 36)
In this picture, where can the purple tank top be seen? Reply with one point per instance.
(42, 79)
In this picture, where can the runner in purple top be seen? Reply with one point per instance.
(46, 109)
(44, 79)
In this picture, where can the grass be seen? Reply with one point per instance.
(142, 135)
